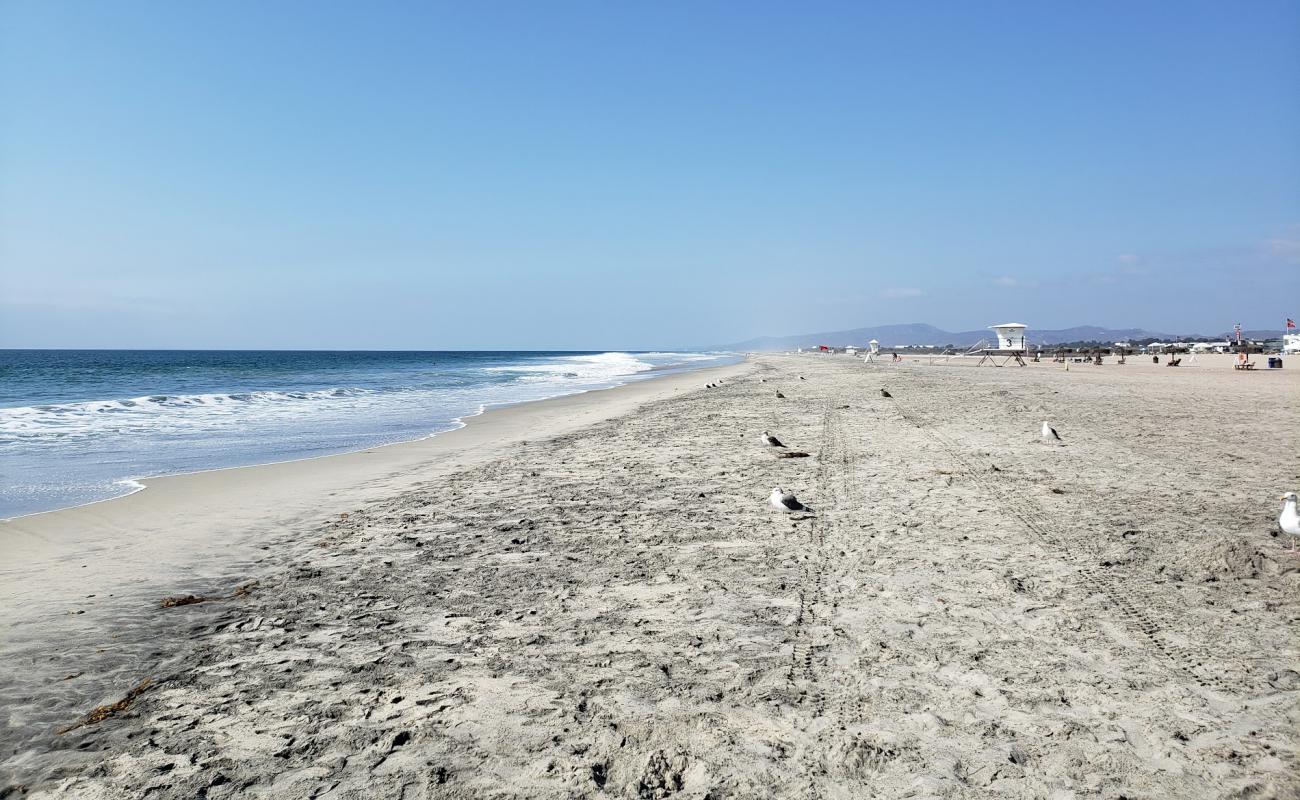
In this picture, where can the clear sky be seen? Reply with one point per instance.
(640, 174)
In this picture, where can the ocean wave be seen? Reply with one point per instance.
(596, 367)
(402, 403)
(157, 412)
(64, 449)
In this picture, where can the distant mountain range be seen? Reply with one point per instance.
(923, 334)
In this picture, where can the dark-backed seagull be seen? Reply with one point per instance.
(785, 501)
(780, 396)
(884, 393)
(1049, 433)
(771, 441)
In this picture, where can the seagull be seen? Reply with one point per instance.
(785, 501)
(1049, 433)
(770, 440)
(762, 380)
(1290, 520)
(780, 396)
(802, 378)
(884, 393)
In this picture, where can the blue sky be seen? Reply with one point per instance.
(640, 174)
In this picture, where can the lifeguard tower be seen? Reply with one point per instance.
(1010, 345)
(873, 349)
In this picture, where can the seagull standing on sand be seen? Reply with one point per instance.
(780, 396)
(1049, 433)
(785, 501)
(1290, 519)
(884, 393)
(771, 441)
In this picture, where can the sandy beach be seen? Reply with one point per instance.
(590, 596)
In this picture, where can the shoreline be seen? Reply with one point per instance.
(164, 489)
(138, 483)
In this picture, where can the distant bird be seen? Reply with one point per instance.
(770, 440)
(802, 378)
(785, 501)
(884, 393)
(1050, 434)
(780, 396)
(1290, 519)
(762, 380)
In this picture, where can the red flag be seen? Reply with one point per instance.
(1290, 323)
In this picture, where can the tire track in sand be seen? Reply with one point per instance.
(1133, 607)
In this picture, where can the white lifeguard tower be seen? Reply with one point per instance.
(1011, 335)
(873, 349)
(1010, 343)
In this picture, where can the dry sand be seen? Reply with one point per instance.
(611, 608)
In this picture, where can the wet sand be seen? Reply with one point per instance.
(609, 607)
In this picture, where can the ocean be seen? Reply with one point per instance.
(78, 426)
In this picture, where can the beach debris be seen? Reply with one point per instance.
(101, 713)
(885, 393)
(786, 501)
(802, 378)
(244, 590)
(780, 396)
(183, 600)
(792, 454)
(770, 440)
(1049, 433)
(1290, 519)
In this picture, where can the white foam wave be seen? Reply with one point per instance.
(158, 413)
(597, 367)
(315, 414)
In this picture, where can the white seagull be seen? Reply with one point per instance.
(1290, 519)
(785, 501)
(1049, 433)
(770, 440)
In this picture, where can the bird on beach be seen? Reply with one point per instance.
(785, 501)
(1049, 433)
(802, 378)
(780, 396)
(1290, 519)
(770, 440)
(884, 393)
